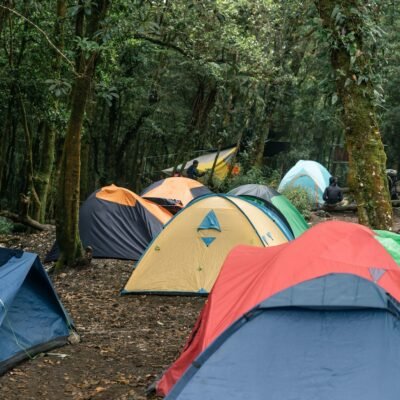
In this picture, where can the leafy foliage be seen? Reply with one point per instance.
(6, 227)
(301, 199)
(255, 175)
(175, 79)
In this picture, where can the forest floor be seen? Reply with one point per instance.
(126, 341)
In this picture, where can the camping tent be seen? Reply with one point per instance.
(32, 318)
(251, 275)
(332, 337)
(391, 242)
(174, 193)
(266, 194)
(117, 223)
(206, 161)
(308, 175)
(187, 255)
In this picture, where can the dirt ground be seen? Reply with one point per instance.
(126, 341)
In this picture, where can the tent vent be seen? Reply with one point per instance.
(376, 273)
(208, 240)
(210, 222)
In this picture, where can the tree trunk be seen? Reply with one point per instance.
(67, 211)
(259, 152)
(43, 175)
(110, 150)
(210, 178)
(270, 102)
(351, 63)
(5, 138)
(87, 174)
(30, 185)
(202, 105)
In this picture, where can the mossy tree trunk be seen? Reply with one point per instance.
(345, 24)
(202, 106)
(68, 194)
(42, 177)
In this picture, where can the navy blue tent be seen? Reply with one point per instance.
(117, 223)
(336, 337)
(32, 318)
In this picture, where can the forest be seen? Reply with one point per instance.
(125, 89)
(101, 92)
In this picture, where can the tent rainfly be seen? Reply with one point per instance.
(263, 194)
(117, 223)
(174, 193)
(391, 242)
(187, 255)
(32, 318)
(206, 162)
(318, 339)
(308, 175)
(251, 275)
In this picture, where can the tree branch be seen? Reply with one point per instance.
(26, 220)
(58, 51)
(161, 43)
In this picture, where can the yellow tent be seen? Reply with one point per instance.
(206, 162)
(186, 257)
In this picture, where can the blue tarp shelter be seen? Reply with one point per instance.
(334, 337)
(32, 318)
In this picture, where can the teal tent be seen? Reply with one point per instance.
(262, 194)
(309, 175)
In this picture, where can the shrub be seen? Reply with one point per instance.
(301, 199)
(265, 176)
(6, 226)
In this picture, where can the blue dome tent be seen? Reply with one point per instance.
(309, 175)
(32, 318)
(319, 339)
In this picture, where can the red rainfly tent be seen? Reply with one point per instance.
(251, 275)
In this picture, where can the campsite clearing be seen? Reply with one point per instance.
(125, 340)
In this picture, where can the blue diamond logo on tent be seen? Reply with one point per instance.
(208, 240)
(376, 273)
(202, 290)
(210, 221)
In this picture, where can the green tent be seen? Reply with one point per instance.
(262, 194)
(391, 242)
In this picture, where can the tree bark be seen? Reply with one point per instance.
(43, 175)
(210, 178)
(110, 150)
(30, 185)
(351, 63)
(67, 212)
(5, 138)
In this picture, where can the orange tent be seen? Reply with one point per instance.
(174, 193)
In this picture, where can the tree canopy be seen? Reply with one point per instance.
(98, 92)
